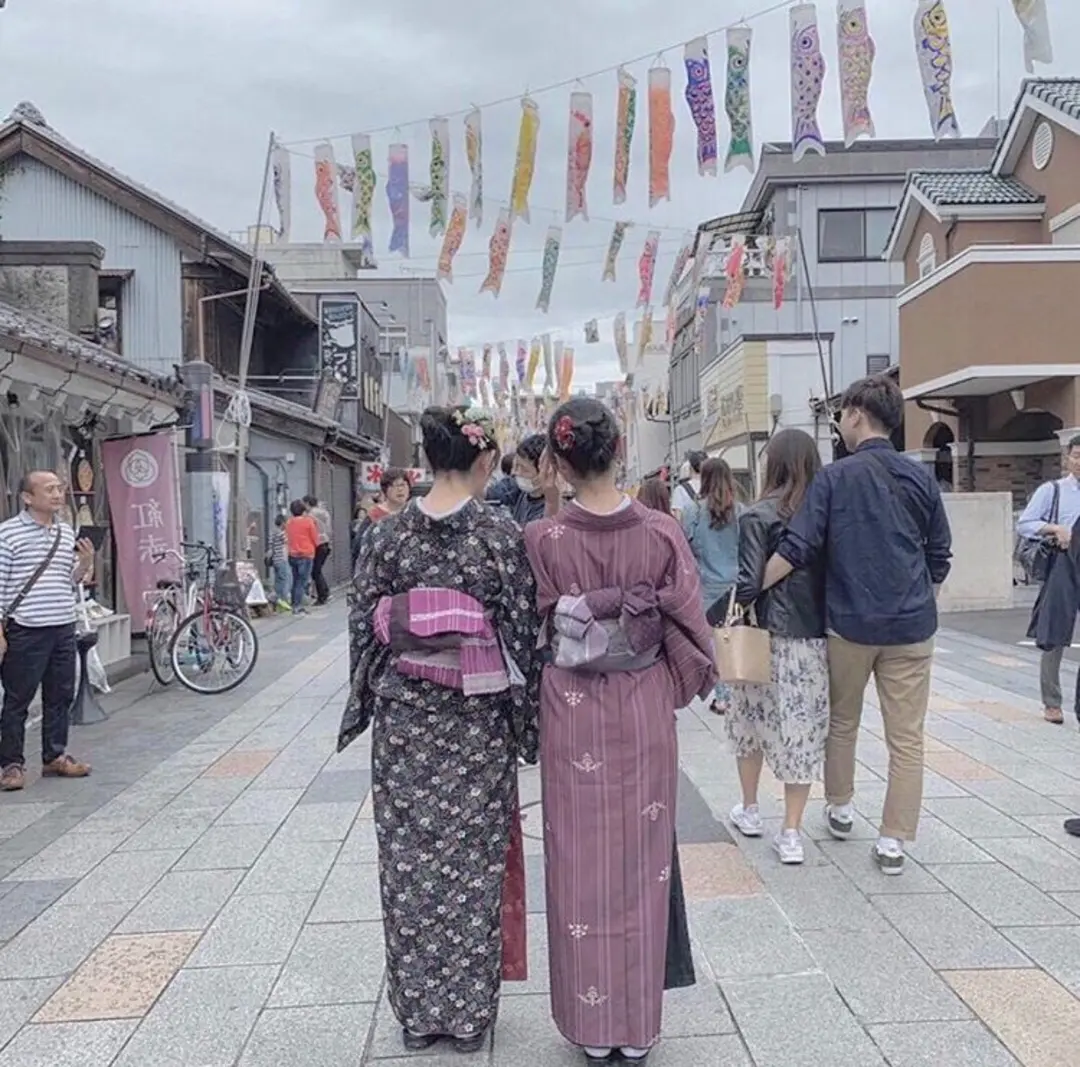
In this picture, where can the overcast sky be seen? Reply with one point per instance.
(182, 96)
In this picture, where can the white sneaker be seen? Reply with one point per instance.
(789, 847)
(747, 820)
(888, 854)
(840, 820)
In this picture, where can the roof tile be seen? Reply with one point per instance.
(973, 187)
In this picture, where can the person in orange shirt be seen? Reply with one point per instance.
(302, 536)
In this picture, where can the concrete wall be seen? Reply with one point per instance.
(980, 580)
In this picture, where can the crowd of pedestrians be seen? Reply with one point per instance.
(495, 620)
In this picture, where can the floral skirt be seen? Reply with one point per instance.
(789, 719)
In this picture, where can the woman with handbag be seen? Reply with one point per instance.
(786, 722)
(711, 526)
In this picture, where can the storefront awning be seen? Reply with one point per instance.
(989, 380)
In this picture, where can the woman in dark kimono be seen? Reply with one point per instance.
(443, 635)
(627, 644)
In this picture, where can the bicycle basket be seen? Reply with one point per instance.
(228, 592)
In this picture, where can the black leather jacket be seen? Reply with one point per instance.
(794, 607)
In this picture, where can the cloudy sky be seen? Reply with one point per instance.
(183, 96)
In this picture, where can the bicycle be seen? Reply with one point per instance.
(215, 640)
(170, 602)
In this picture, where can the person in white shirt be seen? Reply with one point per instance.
(1048, 517)
(688, 490)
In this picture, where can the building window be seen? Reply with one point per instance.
(877, 364)
(927, 255)
(850, 235)
(109, 312)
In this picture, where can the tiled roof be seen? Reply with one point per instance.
(1060, 93)
(971, 187)
(20, 326)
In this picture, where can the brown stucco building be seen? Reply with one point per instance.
(989, 318)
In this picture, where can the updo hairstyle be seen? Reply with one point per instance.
(453, 438)
(584, 433)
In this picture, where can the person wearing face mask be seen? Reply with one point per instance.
(526, 500)
(444, 669)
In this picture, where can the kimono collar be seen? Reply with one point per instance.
(623, 518)
(463, 518)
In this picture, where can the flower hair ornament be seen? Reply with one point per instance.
(476, 427)
(564, 434)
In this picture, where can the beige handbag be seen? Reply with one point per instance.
(743, 650)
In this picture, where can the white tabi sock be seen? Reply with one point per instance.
(632, 1053)
(597, 1053)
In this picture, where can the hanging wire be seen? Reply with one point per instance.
(565, 83)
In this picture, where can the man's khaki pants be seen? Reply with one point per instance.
(902, 675)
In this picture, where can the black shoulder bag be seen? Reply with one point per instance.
(23, 593)
(1036, 555)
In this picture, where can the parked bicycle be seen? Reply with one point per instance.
(195, 635)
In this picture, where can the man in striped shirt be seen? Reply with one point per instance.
(38, 638)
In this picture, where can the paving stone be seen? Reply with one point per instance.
(290, 866)
(227, 847)
(881, 978)
(716, 870)
(1001, 897)
(959, 1044)
(1055, 949)
(182, 900)
(360, 846)
(695, 823)
(1030, 1013)
(331, 787)
(698, 1011)
(338, 963)
(210, 793)
(974, 818)
(949, 935)
(855, 861)
(749, 937)
(820, 898)
(960, 768)
(1014, 799)
(253, 930)
(763, 1010)
(241, 764)
(19, 999)
(84, 1044)
(171, 828)
(25, 901)
(319, 822)
(1038, 861)
(203, 1017)
(15, 818)
(328, 1036)
(937, 843)
(70, 856)
(58, 940)
(120, 980)
(258, 806)
(350, 894)
(123, 876)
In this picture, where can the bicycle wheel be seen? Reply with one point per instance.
(213, 651)
(160, 627)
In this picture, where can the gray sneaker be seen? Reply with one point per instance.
(840, 828)
(889, 861)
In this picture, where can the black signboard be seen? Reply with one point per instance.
(339, 343)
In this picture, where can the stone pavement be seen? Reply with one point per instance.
(209, 897)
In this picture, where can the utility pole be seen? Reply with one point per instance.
(247, 340)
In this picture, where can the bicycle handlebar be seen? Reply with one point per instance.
(200, 547)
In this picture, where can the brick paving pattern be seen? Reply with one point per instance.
(209, 897)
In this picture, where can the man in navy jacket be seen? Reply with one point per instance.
(878, 520)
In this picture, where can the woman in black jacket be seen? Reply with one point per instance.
(785, 723)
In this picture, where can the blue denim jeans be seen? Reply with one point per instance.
(282, 580)
(301, 575)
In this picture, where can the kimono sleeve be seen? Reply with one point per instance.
(372, 580)
(688, 641)
(518, 624)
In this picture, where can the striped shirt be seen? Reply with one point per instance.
(24, 544)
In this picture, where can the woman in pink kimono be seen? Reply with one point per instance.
(627, 643)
